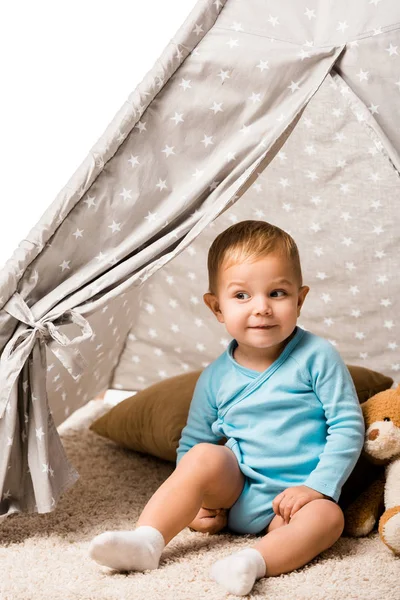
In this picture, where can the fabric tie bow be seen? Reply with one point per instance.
(21, 343)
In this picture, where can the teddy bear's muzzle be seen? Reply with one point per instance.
(373, 434)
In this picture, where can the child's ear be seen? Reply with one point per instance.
(302, 296)
(212, 302)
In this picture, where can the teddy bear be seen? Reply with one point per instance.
(382, 449)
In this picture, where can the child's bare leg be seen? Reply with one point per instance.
(311, 530)
(207, 475)
(285, 547)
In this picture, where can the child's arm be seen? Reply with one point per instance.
(203, 413)
(333, 385)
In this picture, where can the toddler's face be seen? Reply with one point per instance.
(258, 308)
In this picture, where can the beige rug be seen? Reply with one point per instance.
(45, 556)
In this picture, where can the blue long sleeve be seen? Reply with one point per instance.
(333, 385)
(202, 414)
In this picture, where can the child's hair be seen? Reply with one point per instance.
(248, 240)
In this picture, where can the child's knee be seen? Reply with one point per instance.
(208, 459)
(216, 470)
(338, 518)
(332, 515)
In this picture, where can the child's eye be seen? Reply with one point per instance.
(240, 295)
(277, 292)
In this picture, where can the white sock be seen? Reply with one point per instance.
(238, 572)
(135, 550)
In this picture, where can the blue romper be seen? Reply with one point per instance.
(299, 422)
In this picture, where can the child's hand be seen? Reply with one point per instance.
(209, 520)
(292, 499)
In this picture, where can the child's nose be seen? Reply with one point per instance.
(262, 306)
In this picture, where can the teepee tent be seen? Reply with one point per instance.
(255, 110)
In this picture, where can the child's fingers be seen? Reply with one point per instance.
(281, 503)
(197, 521)
(211, 512)
(288, 509)
(216, 524)
(282, 507)
(207, 512)
(276, 502)
(209, 524)
(297, 505)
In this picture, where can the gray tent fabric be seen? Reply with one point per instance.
(233, 87)
(349, 265)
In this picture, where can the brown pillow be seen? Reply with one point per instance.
(367, 382)
(152, 420)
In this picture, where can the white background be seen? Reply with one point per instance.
(66, 69)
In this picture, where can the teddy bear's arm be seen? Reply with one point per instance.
(362, 514)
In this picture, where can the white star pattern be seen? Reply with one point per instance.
(233, 43)
(342, 26)
(134, 161)
(216, 107)
(310, 13)
(263, 65)
(90, 201)
(392, 50)
(115, 226)
(161, 185)
(385, 302)
(65, 265)
(294, 86)
(185, 84)
(224, 75)
(303, 54)
(363, 75)
(39, 433)
(237, 26)
(198, 29)
(126, 194)
(178, 118)
(168, 150)
(141, 126)
(255, 97)
(273, 20)
(78, 233)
